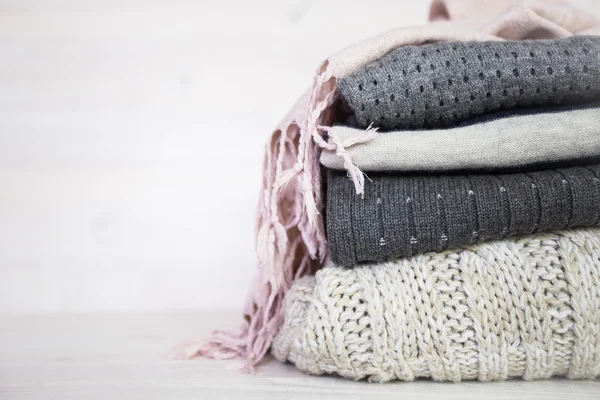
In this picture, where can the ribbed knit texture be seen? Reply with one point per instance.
(441, 84)
(404, 215)
(526, 307)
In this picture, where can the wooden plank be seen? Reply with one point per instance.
(101, 356)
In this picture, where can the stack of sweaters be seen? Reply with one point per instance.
(471, 252)
(431, 205)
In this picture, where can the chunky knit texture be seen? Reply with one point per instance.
(404, 215)
(514, 308)
(509, 142)
(442, 84)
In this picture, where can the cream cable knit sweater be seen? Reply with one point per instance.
(527, 307)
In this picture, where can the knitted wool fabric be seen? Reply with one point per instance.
(290, 231)
(404, 215)
(525, 308)
(511, 141)
(441, 84)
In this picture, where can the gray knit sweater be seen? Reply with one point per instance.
(404, 215)
(442, 84)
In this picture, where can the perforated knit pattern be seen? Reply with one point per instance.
(404, 215)
(515, 308)
(442, 84)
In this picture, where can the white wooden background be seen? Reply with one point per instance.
(131, 137)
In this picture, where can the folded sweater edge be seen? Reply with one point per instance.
(509, 142)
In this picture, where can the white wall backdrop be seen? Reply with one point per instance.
(131, 136)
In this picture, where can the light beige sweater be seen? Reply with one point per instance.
(513, 141)
(526, 307)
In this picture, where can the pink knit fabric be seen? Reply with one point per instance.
(290, 231)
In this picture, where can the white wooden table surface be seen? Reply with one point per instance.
(124, 356)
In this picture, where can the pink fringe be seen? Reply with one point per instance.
(336, 144)
(290, 231)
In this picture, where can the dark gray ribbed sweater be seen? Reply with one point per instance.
(442, 84)
(404, 215)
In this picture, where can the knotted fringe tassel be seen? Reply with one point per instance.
(339, 147)
(290, 231)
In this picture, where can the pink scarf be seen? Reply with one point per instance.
(290, 231)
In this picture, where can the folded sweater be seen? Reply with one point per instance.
(404, 215)
(441, 84)
(524, 307)
(518, 140)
